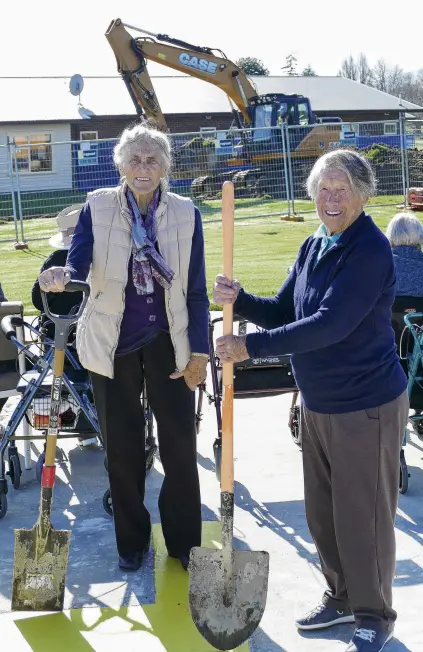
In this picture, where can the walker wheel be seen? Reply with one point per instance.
(294, 425)
(15, 471)
(107, 503)
(217, 450)
(404, 474)
(3, 504)
(39, 467)
(150, 454)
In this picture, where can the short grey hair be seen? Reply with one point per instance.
(141, 135)
(405, 229)
(356, 167)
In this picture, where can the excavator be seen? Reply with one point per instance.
(259, 165)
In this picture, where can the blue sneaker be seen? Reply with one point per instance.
(325, 615)
(369, 640)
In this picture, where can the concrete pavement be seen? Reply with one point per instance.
(148, 610)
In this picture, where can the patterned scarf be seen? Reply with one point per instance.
(147, 264)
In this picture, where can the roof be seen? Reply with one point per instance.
(48, 99)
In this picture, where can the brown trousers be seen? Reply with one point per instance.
(351, 479)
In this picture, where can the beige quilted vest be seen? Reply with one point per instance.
(99, 326)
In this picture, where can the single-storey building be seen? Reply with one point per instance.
(44, 120)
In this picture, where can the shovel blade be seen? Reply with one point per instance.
(39, 573)
(227, 624)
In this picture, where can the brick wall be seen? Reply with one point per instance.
(360, 116)
(179, 124)
(112, 127)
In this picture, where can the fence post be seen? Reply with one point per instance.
(407, 171)
(404, 156)
(22, 244)
(285, 169)
(288, 147)
(12, 188)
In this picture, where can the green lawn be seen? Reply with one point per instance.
(264, 248)
(253, 207)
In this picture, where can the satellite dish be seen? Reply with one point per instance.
(85, 113)
(76, 84)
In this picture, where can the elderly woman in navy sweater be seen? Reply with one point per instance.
(333, 315)
(147, 317)
(405, 233)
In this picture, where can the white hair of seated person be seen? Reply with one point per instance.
(405, 229)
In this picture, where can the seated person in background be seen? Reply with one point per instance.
(60, 303)
(2, 298)
(405, 234)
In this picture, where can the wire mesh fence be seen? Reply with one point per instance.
(382, 143)
(414, 154)
(268, 166)
(254, 159)
(65, 174)
(7, 197)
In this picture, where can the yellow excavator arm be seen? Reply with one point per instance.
(132, 55)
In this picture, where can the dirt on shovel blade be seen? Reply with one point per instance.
(40, 566)
(226, 625)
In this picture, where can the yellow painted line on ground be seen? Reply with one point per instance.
(165, 626)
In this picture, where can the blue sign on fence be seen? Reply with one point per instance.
(88, 154)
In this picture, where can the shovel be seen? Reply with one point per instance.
(227, 588)
(41, 554)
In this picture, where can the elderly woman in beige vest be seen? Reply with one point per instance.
(142, 249)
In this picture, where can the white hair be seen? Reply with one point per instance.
(405, 229)
(140, 136)
(356, 167)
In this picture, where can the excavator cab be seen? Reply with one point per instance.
(267, 111)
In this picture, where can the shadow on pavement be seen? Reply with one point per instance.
(286, 519)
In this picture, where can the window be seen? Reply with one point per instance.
(33, 153)
(390, 128)
(263, 118)
(209, 132)
(290, 115)
(88, 135)
(303, 117)
(281, 113)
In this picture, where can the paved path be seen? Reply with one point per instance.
(148, 610)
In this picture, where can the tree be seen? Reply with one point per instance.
(349, 68)
(290, 65)
(309, 72)
(389, 79)
(358, 70)
(364, 71)
(381, 76)
(393, 80)
(252, 66)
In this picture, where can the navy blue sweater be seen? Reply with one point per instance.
(334, 318)
(409, 266)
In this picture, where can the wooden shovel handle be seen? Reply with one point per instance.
(58, 365)
(227, 469)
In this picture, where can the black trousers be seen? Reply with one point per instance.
(351, 480)
(122, 427)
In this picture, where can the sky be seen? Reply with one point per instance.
(61, 37)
